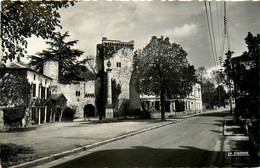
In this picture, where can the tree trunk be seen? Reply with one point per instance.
(162, 98)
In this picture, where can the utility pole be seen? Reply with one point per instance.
(229, 52)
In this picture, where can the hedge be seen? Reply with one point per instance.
(14, 114)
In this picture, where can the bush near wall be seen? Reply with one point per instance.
(179, 105)
(13, 116)
(68, 113)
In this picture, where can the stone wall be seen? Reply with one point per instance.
(85, 94)
(122, 74)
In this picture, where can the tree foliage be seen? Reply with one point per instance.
(164, 70)
(243, 71)
(60, 51)
(14, 90)
(101, 99)
(22, 19)
(200, 73)
(212, 96)
(217, 77)
(116, 91)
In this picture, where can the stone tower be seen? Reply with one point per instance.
(51, 69)
(121, 66)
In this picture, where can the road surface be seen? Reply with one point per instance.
(190, 142)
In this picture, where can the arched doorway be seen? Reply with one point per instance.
(89, 110)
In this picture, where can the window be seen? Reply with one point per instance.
(34, 76)
(39, 91)
(43, 93)
(77, 93)
(48, 93)
(34, 90)
(34, 114)
(118, 64)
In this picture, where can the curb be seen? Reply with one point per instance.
(84, 148)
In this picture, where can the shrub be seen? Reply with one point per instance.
(13, 115)
(179, 106)
(139, 113)
(136, 112)
(68, 113)
(147, 114)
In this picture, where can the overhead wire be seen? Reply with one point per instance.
(219, 33)
(207, 17)
(213, 34)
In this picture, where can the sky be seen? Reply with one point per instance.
(184, 23)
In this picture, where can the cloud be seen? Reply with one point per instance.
(185, 30)
(183, 22)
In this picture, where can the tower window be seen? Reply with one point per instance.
(118, 64)
(34, 76)
(77, 93)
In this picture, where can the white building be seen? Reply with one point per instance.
(36, 112)
(192, 103)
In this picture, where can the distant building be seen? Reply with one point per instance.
(192, 103)
(80, 94)
(122, 71)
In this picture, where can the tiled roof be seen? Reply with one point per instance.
(57, 96)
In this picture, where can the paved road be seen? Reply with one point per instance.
(190, 142)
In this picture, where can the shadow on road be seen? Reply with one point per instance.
(13, 154)
(141, 156)
(216, 114)
(15, 130)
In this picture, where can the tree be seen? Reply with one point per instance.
(217, 77)
(62, 52)
(200, 75)
(15, 97)
(164, 70)
(207, 93)
(22, 19)
(243, 71)
(218, 96)
(226, 76)
(14, 90)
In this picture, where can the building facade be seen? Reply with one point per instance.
(192, 103)
(122, 71)
(80, 94)
(36, 112)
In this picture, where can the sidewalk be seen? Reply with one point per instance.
(233, 145)
(43, 141)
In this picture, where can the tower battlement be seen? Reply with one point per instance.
(106, 42)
